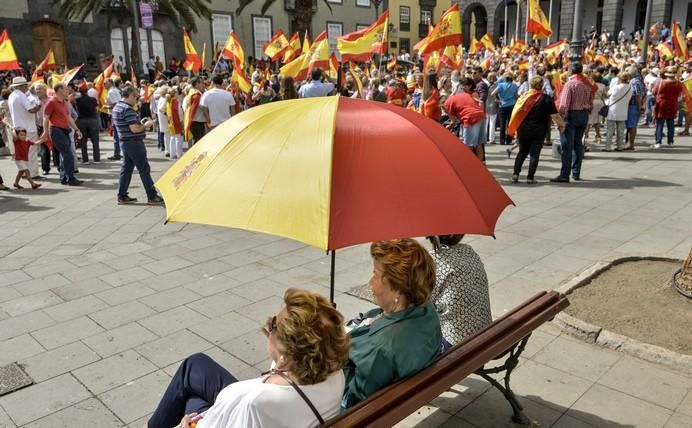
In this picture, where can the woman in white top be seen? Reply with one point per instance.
(598, 103)
(308, 346)
(619, 95)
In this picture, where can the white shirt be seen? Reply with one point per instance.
(113, 96)
(253, 404)
(650, 81)
(19, 111)
(161, 114)
(621, 93)
(93, 93)
(315, 88)
(219, 103)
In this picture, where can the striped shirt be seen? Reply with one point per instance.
(576, 95)
(124, 116)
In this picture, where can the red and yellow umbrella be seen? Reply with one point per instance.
(333, 172)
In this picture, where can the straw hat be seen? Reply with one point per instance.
(670, 71)
(18, 81)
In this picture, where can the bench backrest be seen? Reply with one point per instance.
(395, 402)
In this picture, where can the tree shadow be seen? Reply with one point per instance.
(10, 203)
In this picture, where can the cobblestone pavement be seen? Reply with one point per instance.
(100, 302)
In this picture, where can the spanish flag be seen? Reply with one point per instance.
(487, 41)
(679, 42)
(319, 53)
(522, 108)
(297, 68)
(517, 46)
(537, 23)
(523, 65)
(192, 61)
(391, 65)
(333, 66)
(306, 43)
(100, 88)
(665, 50)
(475, 45)
(133, 78)
(48, 62)
(242, 80)
(192, 102)
(360, 45)
(450, 57)
(71, 73)
(424, 40)
(276, 46)
(431, 63)
(653, 30)
(354, 69)
(234, 51)
(553, 51)
(294, 48)
(8, 58)
(446, 32)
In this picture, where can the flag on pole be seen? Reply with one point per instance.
(537, 23)
(319, 53)
(552, 51)
(297, 68)
(424, 40)
(242, 80)
(234, 51)
(360, 45)
(48, 62)
(665, 50)
(204, 55)
(8, 58)
(487, 41)
(356, 79)
(475, 46)
(306, 43)
(276, 46)
(431, 63)
(333, 66)
(679, 42)
(133, 78)
(446, 32)
(192, 61)
(294, 48)
(450, 57)
(391, 65)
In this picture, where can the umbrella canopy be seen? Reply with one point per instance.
(333, 172)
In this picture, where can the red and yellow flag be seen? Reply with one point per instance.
(653, 30)
(424, 40)
(48, 62)
(665, 50)
(523, 65)
(319, 53)
(446, 32)
(679, 42)
(360, 45)
(475, 45)
(297, 68)
(354, 69)
(487, 41)
(70, 74)
(552, 51)
(333, 66)
(133, 78)
(522, 108)
(537, 23)
(242, 80)
(276, 46)
(306, 43)
(294, 48)
(192, 61)
(431, 63)
(450, 57)
(8, 58)
(234, 51)
(391, 65)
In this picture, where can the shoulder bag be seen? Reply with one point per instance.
(603, 111)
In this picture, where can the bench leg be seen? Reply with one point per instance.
(509, 365)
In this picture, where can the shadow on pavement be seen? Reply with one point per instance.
(10, 203)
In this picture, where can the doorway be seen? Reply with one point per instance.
(48, 35)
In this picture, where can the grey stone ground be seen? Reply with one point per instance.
(100, 302)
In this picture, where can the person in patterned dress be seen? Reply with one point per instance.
(461, 289)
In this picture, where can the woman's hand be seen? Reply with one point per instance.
(186, 422)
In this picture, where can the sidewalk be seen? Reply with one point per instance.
(100, 302)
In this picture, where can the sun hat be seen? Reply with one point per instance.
(19, 81)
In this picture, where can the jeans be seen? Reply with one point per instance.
(529, 146)
(61, 142)
(670, 132)
(135, 155)
(650, 103)
(618, 128)
(572, 142)
(193, 388)
(161, 144)
(505, 114)
(89, 127)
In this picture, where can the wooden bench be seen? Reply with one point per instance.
(505, 338)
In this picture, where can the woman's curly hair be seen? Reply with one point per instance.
(313, 336)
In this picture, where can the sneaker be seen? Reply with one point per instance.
(85, 163)
(657, 146)
(114, 158)
(158, 200)
(74, 182)
(559, 179)
(576, 178)
(515, 178)
(122, 200)
(531, 181)
(167, 155)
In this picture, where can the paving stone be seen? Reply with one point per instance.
(21, 324)
(37, 401)
(66, 332)
(601, 405)
(18, 348)
(259, 311)
(119, 339)
(167, 265)
(121, 314)
(224, 328)
(686, 404)
(218, 304)
(428, 416)
(122, 262)
(30, 303)
(567, 421)
(5, 421)
(89, 271)
(260, 289)
(114, 371)
(210, 268)
(9, 277)
(172, 348)
(250, 272)
(58, 361)
(586, 361)
(37, 285)
(84, 288)
(251, 347)
(136, 398)
(168, 299)
(678, 420)
(172, 320)
(212, 285)
(86, 413)
(8, 293)
(126, 276)
(170, 280)
(647, 381)
(461, 395)
(75, 308)
(125, 293)
(47, 266)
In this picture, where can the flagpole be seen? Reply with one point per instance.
(504, 36)
(516, 30)
(550, 21)
(526, 29)
(645, 40)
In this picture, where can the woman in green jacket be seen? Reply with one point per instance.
(402, 336)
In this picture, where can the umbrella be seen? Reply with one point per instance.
(333, 172)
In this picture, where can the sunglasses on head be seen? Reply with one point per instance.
(271, 325)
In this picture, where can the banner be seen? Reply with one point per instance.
(147, 15)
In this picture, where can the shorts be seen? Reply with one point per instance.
(475, 135)
(633, 114)
(22, 164)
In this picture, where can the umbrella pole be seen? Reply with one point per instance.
(331, 279)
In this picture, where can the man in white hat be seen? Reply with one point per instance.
(23, 115)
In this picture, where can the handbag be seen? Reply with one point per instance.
(603, 111)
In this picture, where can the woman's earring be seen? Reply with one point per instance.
(396, 300)
(281, 358)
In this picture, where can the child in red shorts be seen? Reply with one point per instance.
(21, 157)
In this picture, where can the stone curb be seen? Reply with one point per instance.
(594, 334)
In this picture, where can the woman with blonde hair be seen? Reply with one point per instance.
(308, 346)
(175, 123)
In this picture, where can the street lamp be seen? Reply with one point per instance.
(377, 4)
(577, 30)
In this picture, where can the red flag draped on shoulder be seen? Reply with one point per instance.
(679, 42)
(8, 58)
(48, 62)
(234, 51)
(319, 53)
(192, 61)
(522, 108)
(360, 45)
(446, 32)
(276, 46)
(537, 24)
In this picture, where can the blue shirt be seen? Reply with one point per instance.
(507, 94)
(124, 116)
(316, 89)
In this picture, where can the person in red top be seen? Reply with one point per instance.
(396, 94)
(21, 157)
(465, 109)
(667, 92)
(58, 123)
(430, 102)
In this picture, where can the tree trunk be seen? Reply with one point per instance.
(685, 277)
(135, 54)
(302, 15)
